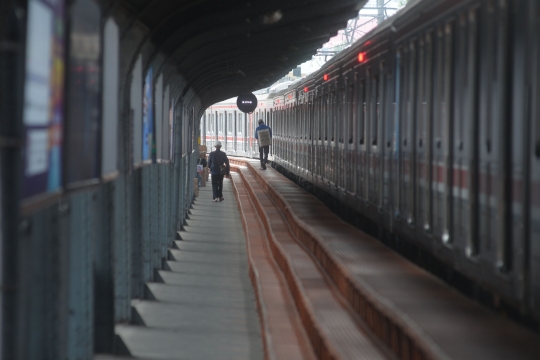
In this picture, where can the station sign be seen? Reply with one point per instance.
(247, 103)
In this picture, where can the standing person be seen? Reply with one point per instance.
(215, 161)
(265, 140)
(201, 169)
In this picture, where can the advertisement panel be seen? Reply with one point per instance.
(148, 148)
(83, 132)
(43, 116)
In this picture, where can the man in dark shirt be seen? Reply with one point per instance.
(215, 160)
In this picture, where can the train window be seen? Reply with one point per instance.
(361, 110)
(448, 77)
(405, 101)
(342, 113)
(496, 37)
(331, 115)
(469, 33)
(318, 111)
(350, 113)
(324, 118)
(303, 132)
(376, 109)
(239, 125)
(439, 88)
(311, 114)
(534, 105)
(305, 119)
(411, 90)
(222, 123)
(421, 93)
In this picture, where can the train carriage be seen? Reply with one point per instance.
(423, 129)
(428, 129)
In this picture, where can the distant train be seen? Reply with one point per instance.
(430, 128)
(235, 129)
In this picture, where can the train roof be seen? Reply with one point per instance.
(386, 25)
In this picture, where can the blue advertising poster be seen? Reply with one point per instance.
(148, 117)
(43, 117)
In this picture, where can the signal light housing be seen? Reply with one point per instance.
(325, 77)
(306, 89)
(362, 57)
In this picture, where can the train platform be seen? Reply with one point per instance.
(411, 312)
(202, 305)
(272, 273)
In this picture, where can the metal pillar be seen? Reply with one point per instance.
(12, 35)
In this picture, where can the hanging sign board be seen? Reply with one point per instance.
(247, 103)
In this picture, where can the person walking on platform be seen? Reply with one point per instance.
(218, 163)
(263, 134)
(201, 168)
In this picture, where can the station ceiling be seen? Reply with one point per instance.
(225, 48)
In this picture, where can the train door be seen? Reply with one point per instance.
(324, 135)
(361, 113)
(423, 144)
(349, 136)
(375, 101)
(286, 137)
(341, 124)
(330, 144)
(316, 135)
(407, 134)
(333, 136)
(532, 196)
(230, 133)
(240, 134)
(465, 144)
(283, 136)
(310, 113)
(297, 124)
(290, 135)
(308, 135)
(389, 135)
(303, 137)
(442, 173)
(494, 149)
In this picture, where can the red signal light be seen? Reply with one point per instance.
(362, 57)
(325, 77)
(306, 89)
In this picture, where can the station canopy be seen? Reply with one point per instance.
(225, 48)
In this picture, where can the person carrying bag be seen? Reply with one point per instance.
(263, 134)
(218, 163)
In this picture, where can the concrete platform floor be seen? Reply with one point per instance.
(205, 308)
